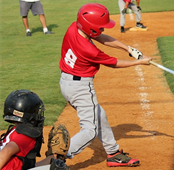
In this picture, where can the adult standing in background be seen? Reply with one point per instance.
(123, 5)
(37, 9)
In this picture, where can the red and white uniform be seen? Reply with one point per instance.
(80, 56)
(79, 62)
(26, 144)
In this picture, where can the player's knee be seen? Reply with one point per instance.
(91, 133)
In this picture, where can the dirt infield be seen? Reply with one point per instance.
(137, 100)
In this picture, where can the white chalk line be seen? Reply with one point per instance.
(143, 96)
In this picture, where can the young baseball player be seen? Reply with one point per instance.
(22, 142)
(123, 5)
(80, 61)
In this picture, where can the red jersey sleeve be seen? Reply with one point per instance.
(104, 59)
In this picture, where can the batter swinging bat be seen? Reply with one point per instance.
(162, 67)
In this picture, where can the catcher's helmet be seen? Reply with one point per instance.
(93, 16)
(23, 106)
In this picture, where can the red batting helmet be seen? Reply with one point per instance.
(93, 16)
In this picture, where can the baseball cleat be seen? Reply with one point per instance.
(121, 159)
(122, 29)
(140, 25)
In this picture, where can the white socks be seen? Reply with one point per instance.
(28, 30)
(45, 30)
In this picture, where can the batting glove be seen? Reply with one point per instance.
(133, 52)
(124, 11)
(139, 8)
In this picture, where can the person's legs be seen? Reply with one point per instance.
(25, 22)
(26, 25)
(24, 9)
(43, 20)
(121, 5)
(80, 94)
(44, 25)
(137, 12)
(82, 97)
(105, 132)
(92, 117)
(37, 9)
(114, 156)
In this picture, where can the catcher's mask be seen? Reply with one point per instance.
(24, 106)
(93, 16)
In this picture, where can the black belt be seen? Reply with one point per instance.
(76, 78)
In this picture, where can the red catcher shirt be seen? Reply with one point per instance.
(79, 56)
(25, 143)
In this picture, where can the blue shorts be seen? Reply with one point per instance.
(35, 7)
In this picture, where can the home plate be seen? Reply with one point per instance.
(138, 29)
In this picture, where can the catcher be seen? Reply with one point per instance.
(22, 142)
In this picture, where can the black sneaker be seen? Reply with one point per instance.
(28, 33)
(121, 159)
(48, 32)
(140, 25)
(122, 29)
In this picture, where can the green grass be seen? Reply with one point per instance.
(156, 6)
(166, 49)
(33, 62)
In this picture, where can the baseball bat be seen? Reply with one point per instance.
(162, 67)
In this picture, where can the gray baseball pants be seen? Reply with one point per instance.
(131, 6)
(92, 117)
